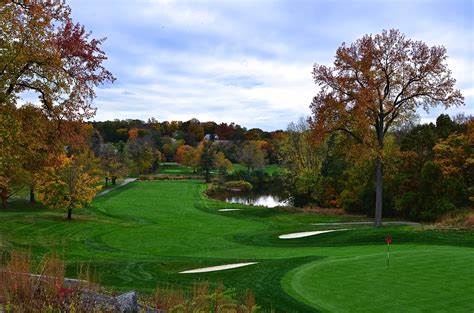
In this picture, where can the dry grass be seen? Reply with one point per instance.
(22, 291)
(456, 220)
(202, 298)
(48, 291)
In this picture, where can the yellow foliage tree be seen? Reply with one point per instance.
(12, 175)
(70, 185)
(222, 164)
(455, 157)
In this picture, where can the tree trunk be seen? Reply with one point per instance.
(69, 214)
(32, 194)
(379, 171)
(378, 192)
(114, 180)
(106, 181)
(4, 199)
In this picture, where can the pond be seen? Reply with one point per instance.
(268, 200)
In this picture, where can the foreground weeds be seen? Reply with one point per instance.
(202, 298)
(47, 290)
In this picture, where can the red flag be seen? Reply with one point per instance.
(388, 240)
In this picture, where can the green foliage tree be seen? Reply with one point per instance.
(251, 155)
(111, 163)
(302, 163)
(207, 160)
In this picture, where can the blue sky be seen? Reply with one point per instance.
(250, 62)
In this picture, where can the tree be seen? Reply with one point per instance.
(111, 163)
(252, 155)
(192, 157)
(141, 154)
(45, 52)
(39, 140)
(378, 82)
(11, 152)
(181, 151)
(302, 163)
(207, 159)
(69, 185)
(222, 164)
(454, 155)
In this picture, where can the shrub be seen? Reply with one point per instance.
(238, 185)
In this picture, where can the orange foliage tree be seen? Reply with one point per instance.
(377, 82)
(44, 51)
(181, 151)
(71, 184)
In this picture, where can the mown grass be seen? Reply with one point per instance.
(146, 232)
(269, 169)
(171, 168)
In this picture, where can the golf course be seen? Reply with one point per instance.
(146, 233)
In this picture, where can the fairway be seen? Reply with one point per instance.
(148, 232)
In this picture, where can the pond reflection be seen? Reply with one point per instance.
(267, 200)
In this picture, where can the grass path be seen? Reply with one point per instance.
(147, 232)
(125, 182)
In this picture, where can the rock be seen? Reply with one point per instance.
(126, 302)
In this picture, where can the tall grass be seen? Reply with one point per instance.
(461, 219)
(203, 298)
(26, 287)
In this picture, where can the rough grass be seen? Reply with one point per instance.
(146, 232)
(462, 219)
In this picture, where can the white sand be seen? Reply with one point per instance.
(307, 233)
(368, 223)
(217, 268)
(227, 210)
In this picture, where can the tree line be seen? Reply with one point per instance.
(358, 150)
(428, 169)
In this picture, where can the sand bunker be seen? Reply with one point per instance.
(227, 210)
(217, 268)
(368, 223)
(307, 233)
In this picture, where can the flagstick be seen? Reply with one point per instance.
(388, 255)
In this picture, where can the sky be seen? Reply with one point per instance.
(250, 62)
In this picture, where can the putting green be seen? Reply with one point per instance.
(419, 280)
(148, 232)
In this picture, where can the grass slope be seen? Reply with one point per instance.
(146, 232)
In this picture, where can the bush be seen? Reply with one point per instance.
(238, 185)
(407, 205)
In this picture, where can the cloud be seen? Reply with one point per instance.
(250, 62)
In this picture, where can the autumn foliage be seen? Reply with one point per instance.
(44, 51)
(377, 82)
(67, 186)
